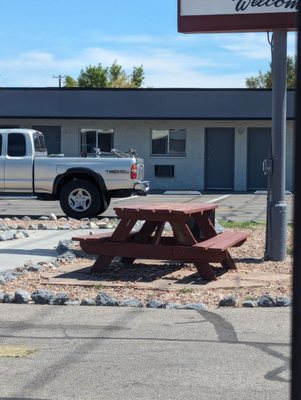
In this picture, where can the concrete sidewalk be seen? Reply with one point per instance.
(39, 246)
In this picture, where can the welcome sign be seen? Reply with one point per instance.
(197, 16)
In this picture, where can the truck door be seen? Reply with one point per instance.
(18, 168)
(2, 159)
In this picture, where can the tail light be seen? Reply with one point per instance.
(134, 171)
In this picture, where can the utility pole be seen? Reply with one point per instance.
(277, 223)
(59, 77)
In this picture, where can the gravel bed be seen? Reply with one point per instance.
(249, 258)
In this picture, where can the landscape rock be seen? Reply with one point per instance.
(21, 235)
(41, 296)
(42, 227)
(65, 227)
(102, 299)
(64, 245)
(7, 235)
(67, 256)
(250, 304)
(155, 304)
(2, 281)
(87, 302)
(92, 225)
(10, 275)
(131, 303)
(266, 301)
(33, 227)
(283, 301)
(13, 226)
(8, 298)
(195, 306)
(22, 296)
(229, 301)
(59, 299)
(34, 267)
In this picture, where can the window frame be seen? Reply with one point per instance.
(97, 132)
(169, 152)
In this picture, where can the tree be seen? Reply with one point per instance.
(70, 82)
(264, 79)
(107, 77)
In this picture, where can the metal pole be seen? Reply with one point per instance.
(277, 239)
(296, 322)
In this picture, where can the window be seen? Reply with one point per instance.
(0, 145)
(16, 145)
(39, 143)
(96, 138)
(165, 171)
(170, 142)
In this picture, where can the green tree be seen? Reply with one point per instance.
(264, 79)
(106, 77)
(93, 77)
(70, 82)
(137, 77)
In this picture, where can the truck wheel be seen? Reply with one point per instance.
(102, 207)
(80, 199)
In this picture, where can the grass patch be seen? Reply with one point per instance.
(246, 224)
(185, 290)
(242, 225)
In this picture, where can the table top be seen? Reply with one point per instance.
(163, 208)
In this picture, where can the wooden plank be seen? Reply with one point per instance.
(156, 252)
(132, 250)
(223, 241)
(163, 209)
(95, 237)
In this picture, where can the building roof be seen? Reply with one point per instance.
(193, 104)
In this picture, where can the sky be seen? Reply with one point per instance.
(40, 39)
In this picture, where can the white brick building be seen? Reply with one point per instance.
(195, 139)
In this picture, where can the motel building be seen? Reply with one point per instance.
(190, 139)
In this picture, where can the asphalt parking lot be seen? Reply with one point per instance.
(235, 207)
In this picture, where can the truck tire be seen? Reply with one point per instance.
(80, 199)
(102, 207)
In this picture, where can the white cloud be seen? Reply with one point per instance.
(254, 45)
(206, 60)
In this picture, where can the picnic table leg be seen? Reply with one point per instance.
(143, 236)
(121, 232)
(205, 270)
(101, 263)
(186, 238)
(204, 223)
(228, 262)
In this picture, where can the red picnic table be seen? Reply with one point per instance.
(194, 238)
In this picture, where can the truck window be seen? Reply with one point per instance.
(16, 145)
(39, 143)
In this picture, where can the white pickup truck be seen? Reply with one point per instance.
(84, 186)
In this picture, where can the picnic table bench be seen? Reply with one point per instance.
(194, 238)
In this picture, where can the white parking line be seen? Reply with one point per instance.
(218, 199)
(124, 198)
